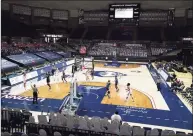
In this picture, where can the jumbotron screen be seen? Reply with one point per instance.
(124, 11)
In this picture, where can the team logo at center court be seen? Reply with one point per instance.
(92, 87)
(108, 74)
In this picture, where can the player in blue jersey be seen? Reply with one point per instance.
(92, 74)
(48, 80)
(64, 76)
(116, 83)
(107, 87)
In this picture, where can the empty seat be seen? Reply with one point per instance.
(42, 132)
(31, 119)
(42, 119)
(125, 130)
(97, 126)
(6, 134)
(180, 133)
(113, 128)
(53, 121)
(24, 135)
(51, 116)
(33, 134)
(167, 132)
(138, 131)
(57, 134)
(70, 123)
(83, 124)
(153, 132)
(104, 124)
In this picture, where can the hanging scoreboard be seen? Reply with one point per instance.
(124, 12)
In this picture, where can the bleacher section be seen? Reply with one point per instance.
(133, 50)
(161, 48)
(102, 49)
(14, 121)
(122, 50)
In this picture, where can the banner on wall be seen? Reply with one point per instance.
(20, 78)
(60, 66)
(164, 74)
(39, 74)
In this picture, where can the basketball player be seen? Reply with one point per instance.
(129, 92)
(107, 87)
(24, 80)
(57, 71)
(92, 74)
(119, 75)
(116, 83)
(87, 75)
(48, 80)
(35, 94)
(64, 76)
(53, 70)
(57, 74)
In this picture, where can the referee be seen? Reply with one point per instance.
(35, 94)
(158, 84)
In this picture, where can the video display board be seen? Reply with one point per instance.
(124, 13)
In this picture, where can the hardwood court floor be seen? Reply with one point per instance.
(102, 84)
(58, 91)
(122, 66)
(140, 99)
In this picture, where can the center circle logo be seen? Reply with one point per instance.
(108, 74)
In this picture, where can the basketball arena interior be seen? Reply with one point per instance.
(96, 68)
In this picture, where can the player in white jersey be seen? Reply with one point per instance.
(87, 75)
(57, 74)
(129, 92)
(24, 80)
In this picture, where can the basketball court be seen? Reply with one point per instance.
(161, 108)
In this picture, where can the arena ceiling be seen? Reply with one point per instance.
(103, 4)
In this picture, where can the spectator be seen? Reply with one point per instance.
(116, 117)
(181, 86)
(173, 77)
